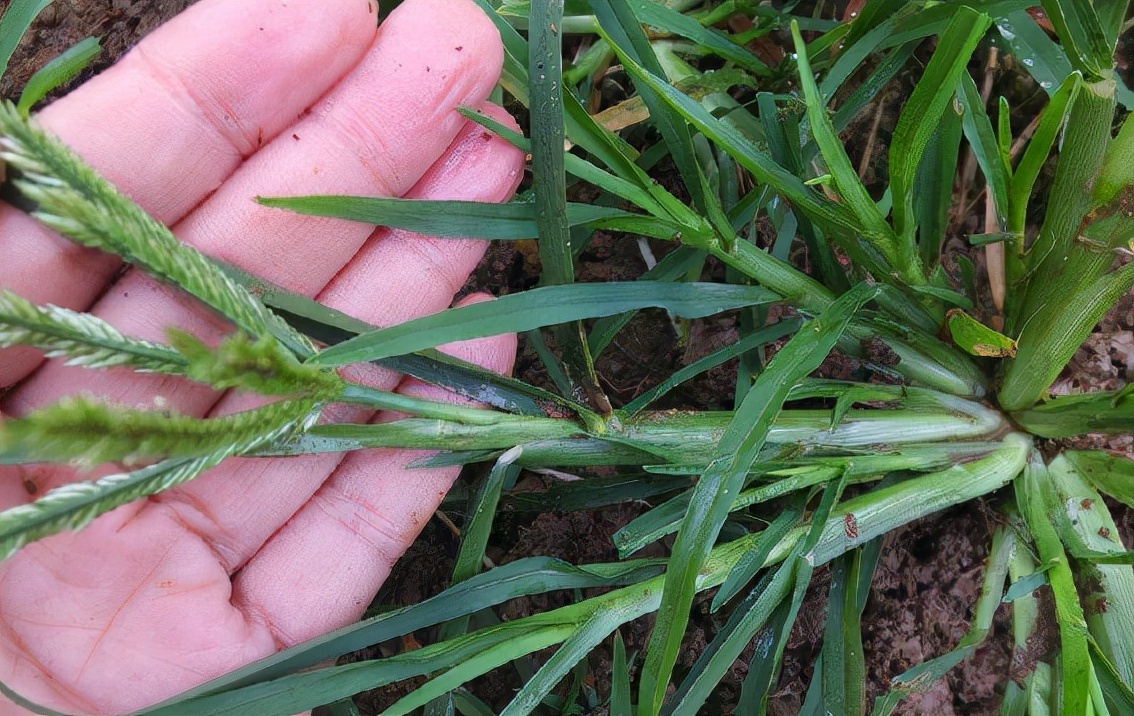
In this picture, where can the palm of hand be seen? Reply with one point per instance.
(163, 594)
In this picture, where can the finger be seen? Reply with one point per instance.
(173, 119)
(239, 505)
(400, 270)
(338, 550)
(379, 131)
(474, 168)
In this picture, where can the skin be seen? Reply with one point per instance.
(226, 102)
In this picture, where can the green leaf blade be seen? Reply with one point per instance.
(925, 107)
(57, 72)
(510, 221)
(541, 307)
(721, 481)
(14, 24)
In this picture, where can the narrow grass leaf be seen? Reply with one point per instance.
(527, 576)
(790, 476)
(574, 649)
(621, 29)
(725, 648)
(719, 485)
(630, 182)
(1024, 587)
(1035, 155)
(982, 139)
(1035, 499)
(755, 558)
(766, 171)
(586, 637)
(1079, 30)
(1041, 688)
(1101, 564)
(541, 307)
(622, 188)
(714, 359)
(620, 680)
(676, 265)
(17, 18)
(676, 23)
(1116, 174)
(923, 676)
(545, 82)
(1004, 131)
(803, 559)
(878, 79)
(463, 378)
(477, 664)
(925, 107)
(474, 537)
(461, 659)
(57, 72)
(846, 179)
(81, 338)
(1116, 692)
(555, 371)
(473, 382)
(444, 219)
(593, 492)
(1014, 701)
(1111, 473)
(946, 295)
(1039, 55)
(855, 52)
(604, 145)
(469, 705)
(843, 680)
(1111, 18)
(782, 132)
(933, 188)
(665, 519)
(764, 667)
(1071, 415)
(342, 707)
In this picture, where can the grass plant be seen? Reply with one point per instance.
(962, 411)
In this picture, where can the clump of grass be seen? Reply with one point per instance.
(965, 421)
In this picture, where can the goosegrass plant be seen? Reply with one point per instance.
(952, 403)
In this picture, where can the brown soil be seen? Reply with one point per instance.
(929, 573)
(118, 23)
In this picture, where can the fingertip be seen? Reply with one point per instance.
(207, 89)
(468, 23)
(478, 166)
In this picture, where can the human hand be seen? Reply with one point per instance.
(227, 102)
